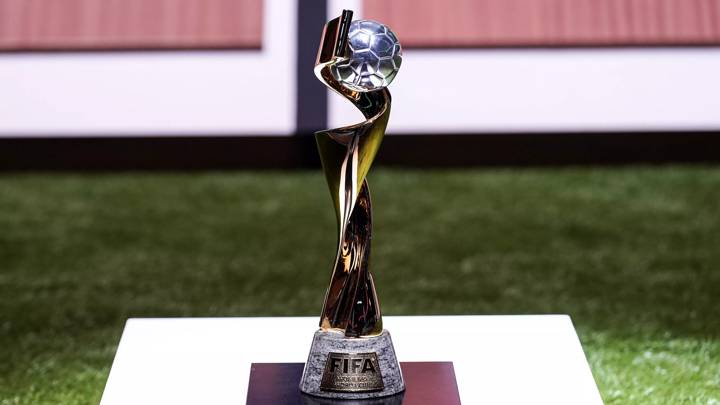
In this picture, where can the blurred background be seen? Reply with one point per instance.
(542, 156)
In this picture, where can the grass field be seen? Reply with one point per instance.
(632, 254)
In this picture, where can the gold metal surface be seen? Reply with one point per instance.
(351, 303)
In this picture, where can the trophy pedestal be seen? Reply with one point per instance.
(351, 368)
(518, 359)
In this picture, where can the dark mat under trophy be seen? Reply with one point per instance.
(425, 383)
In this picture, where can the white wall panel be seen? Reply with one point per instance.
(141, 93)
(551, 90)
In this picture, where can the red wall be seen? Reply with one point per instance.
(118, 24)
(478, 23)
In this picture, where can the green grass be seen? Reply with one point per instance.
(632, 254)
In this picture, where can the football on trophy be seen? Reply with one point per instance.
(375, 57)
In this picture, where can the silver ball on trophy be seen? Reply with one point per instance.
(375, 57)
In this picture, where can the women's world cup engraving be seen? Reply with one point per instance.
(351, 355)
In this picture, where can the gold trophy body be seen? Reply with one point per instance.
(352, 356)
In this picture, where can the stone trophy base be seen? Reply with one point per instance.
(351, 368)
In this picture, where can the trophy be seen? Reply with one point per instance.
(352, 356)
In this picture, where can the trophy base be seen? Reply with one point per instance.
(351, 368)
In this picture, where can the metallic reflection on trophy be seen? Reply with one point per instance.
(351, 355)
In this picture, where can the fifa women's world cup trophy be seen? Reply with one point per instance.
(351, 355)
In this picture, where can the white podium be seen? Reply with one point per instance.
(533, 359)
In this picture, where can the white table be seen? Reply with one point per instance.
(533, 359)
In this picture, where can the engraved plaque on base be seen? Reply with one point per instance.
(352, 372)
